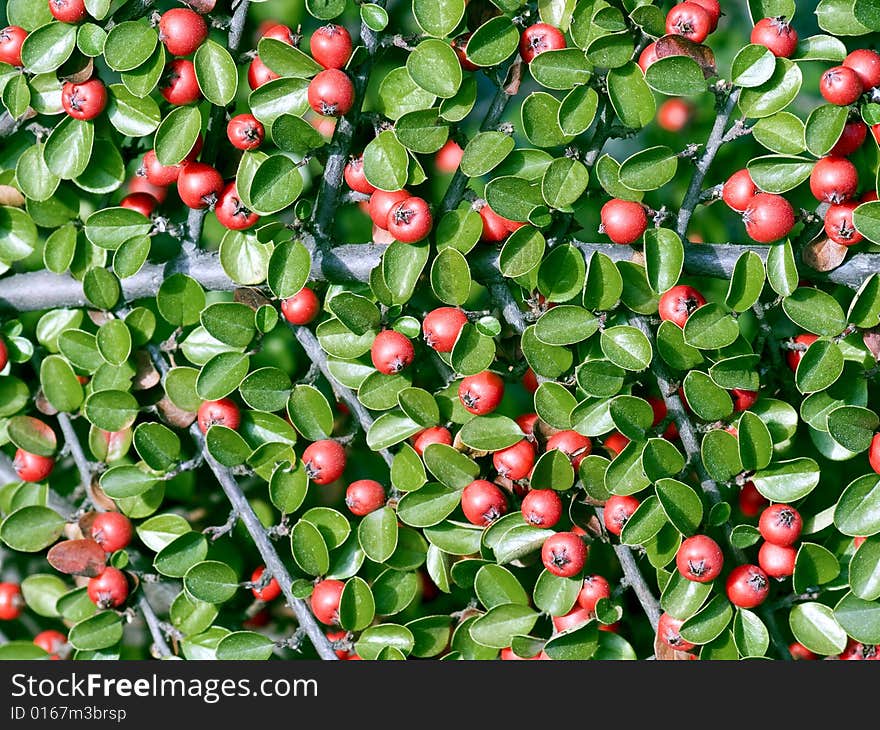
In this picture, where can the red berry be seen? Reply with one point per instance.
(768, 218)
(199, 185)
(112, 531)
(325, 600)
(834, 179)
(331, 93)
(448, 157)
(279, 32)
(333, 637)
(777, 35)
(231, 212)
(542, 508)
(648, 56)
(507, 655)
(751, 501)
(158, 174)
(84, 101)
(690, 21)
(669, 631)
(459, 45)
(856, 651)
(866, 64)
(108, 590)
(495, 227)
(4, 354)
(409, 220)
(245, 132)
(11, 39)
(434, 435)
(364, 496)
(858, 542)
(381, 203)
(739, 190)
(259, 73)
(674, 114)
(839, 223)
(139, 184)
(481, 393)
(713, 8)
(515, 462)
(578, 616)
(51, 642)
(679, 302)
(302, 307)
(530, 380)
(442, 326)
(793, 357)
(68, 11)
(32, 467)
(874, 453)
(777, 561)
(143, 203)
(11, 601)
(574, 445)
(595, 588)
(623, 221)
(658, 405)
(747, 586)
(841, 85)
(538, 38)
(743, 399)
(324, 461)
(182, 31)
(179, 85)
(615, 443)
(391, 352)
(699, 559)
(355, 178)
(780, 524)
(852, 137)
(267, 593)
(799, 652)
(221, 412)
(564, 554)
(617, 512)
(483, 502)
(330, 46)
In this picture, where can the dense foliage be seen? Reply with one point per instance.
(312, 340)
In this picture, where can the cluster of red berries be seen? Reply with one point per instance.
(405, 217)
(693, 20)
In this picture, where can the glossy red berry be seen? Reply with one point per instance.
(268, 592)
(874, 453)
(594, 589)
(800, 653)
(483, 502)
(564, 554)
(199, 185)
(339, 636)
(515, 462)
(658, 405)
(259, 73)
(325, 600)
(623, 221)
(448, 157)
(674, 114)
(751, 501)
(481, 393)
(578, 616)
(777, 561)
(530, 380)
(442, 326)
(743, 399)
(618, 510)
(542, 508)
(852, 137)
(302, 307)
(68, 11)
(355, 178)
(679, 302)
(839, 223)
(331, 93)
(574, 445)
(713, 8)
(699, 559)
(11, 601)
(245, 132)
(409, 220)
(11, 40)
(747, 586)
(84, 101)
(669, 631)
(615, 442)
(648, 56)
(364, 496)
(279, 32)
(51, 642)
(739, 190)
(324, 461)
(156, 173)
(391, 352)
(780, 524)
(182, 31)
(538, 38)
(834, 179)
(495, 227)
(143, 203)
(32, 467)
(4, 355)
(856, 651)
(866, 64)
(221, 412)
(459, 45)
(231, 212)
(768, 218)
(381, 203)
(841, 85)
(108, 590)
(690, 21)
(793, 357)
(433, 435)
(179, 85)
(777, 35)
(330, 45)
(112, 531)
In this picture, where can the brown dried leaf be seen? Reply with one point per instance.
(146, 376)
(676, 45)
(78, 557)
(250, 297)
(11, 196)
(202, 6)
(78, 74)
(871, 338)
(99, 317)
(823, 254)
(514, 77)
(175, 416)
(664, 652)
(44, 406)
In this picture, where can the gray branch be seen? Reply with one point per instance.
(154, 626)
(83, 466)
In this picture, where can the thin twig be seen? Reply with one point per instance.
(83, 466)
(154, 626)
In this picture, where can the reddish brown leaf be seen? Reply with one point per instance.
(11, 196)
(871, 338)
(676, 45)
(202, 6)
(146, 376)
(250, 297)
(175, 416)
(98, 316)
(664, 652)
(44, 406)
(823, 254)
(514, 77)
(78, 74)
(78, 557)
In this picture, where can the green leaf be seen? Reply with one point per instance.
(493, 42)
(434, 66)
(60, 385)
(68, 148)
(859, 619)
(100, 631)
(626, 347)
(429, 505)
(815, 311)
(820, 366)
(782, 132)
(858, 510)
(575, 644)
(47, 47)
(703, 627)
(245, 645)
(682, 505)
(378, 534)
(753, 65)
(864, 571)
(31, 529)
(750, 634)
(561, 69)
(357, 606)
(710, 327)
(211, 581)
(787, 481)
(438, 17)
(815, 626)
(677, 76)
(774, 94)
(649, 169)
(500, 624)
(216, 71)
(814, 566)
(451, 277)
(386, 162)
(497, 586)
(111, 410)
(631, 96)
(129, 45)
